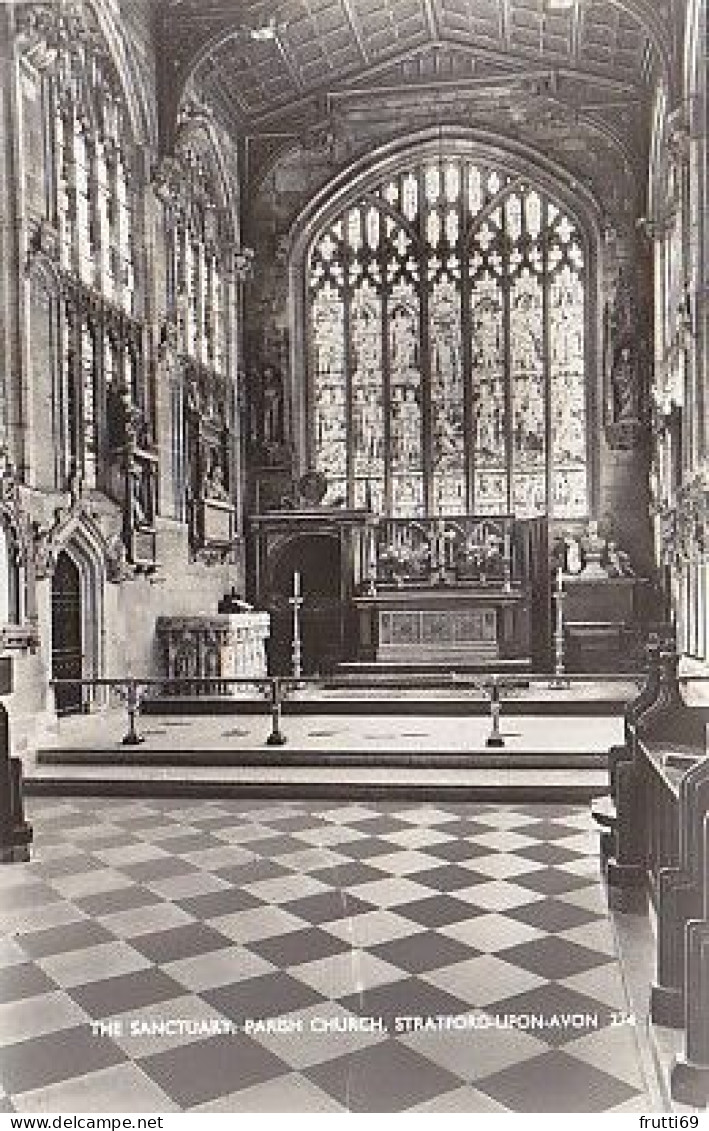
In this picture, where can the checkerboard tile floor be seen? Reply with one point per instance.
(454, 957)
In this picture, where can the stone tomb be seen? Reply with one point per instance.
(222, 646)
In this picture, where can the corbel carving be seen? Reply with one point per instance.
(678, 133)
(169, 182)
(11, 510)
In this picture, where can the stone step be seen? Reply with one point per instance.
(286, 756)
(322, 781)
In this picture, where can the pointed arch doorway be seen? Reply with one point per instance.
(67, 642)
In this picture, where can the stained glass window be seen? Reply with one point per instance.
(447, 314)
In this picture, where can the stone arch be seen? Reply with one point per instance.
(517, 159)
(134, 86)
(198, 131)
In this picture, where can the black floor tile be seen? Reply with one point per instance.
(180, 942)
(555, 1082)
(386, 1077)
(425, 950)
(54, 1057)
(269, 995)
(202, 1070)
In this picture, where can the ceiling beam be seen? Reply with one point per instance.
(288, 60)
(356, 31)
(432, 22)
(645, 12)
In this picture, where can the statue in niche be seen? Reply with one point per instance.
(618, 562)
(624, 384)
(269, 424)
(594, 547)
(138, 516)
(622, 332)
(572, 555)
(214, 485)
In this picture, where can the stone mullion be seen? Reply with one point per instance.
(14, 377)
(201, 282)
(466, 349)
(93, 199)
(385, 255)
(102, 223)
(181, 288)
(68, 183)
(506, 288)
(226, 362)
(75, 385)
(348, 360)
(188, 275)
(112, 219)
(546, 364)
(143, 269)
(425, 350)
(100, 415)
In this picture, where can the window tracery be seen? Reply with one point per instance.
(200, 264)
(447, 331)
(92, 203)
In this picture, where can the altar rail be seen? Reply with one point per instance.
(656, 840)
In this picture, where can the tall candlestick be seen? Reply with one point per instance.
(295, 602)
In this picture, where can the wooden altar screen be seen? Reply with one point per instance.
(462, 590)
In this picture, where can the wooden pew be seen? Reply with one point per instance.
(680, 898)
(621, 845)
(644, 822)
(689, 1080)
(15, 832)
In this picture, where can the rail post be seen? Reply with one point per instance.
(495, 738)
(276, 737)
(131, 698)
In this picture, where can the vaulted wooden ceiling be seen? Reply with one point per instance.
(321, 44)
(279, 68)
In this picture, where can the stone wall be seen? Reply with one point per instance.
(129, 599)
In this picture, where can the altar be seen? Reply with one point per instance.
(464, 626)
(459, 590)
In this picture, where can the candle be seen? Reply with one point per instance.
(296, 584)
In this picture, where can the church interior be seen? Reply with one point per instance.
(354, 590)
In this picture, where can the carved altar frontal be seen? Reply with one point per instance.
(434, 634)
(219, 647)
(457, 625)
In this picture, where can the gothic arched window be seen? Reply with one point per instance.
(94, 204)
(447, 346)
(196, 280)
